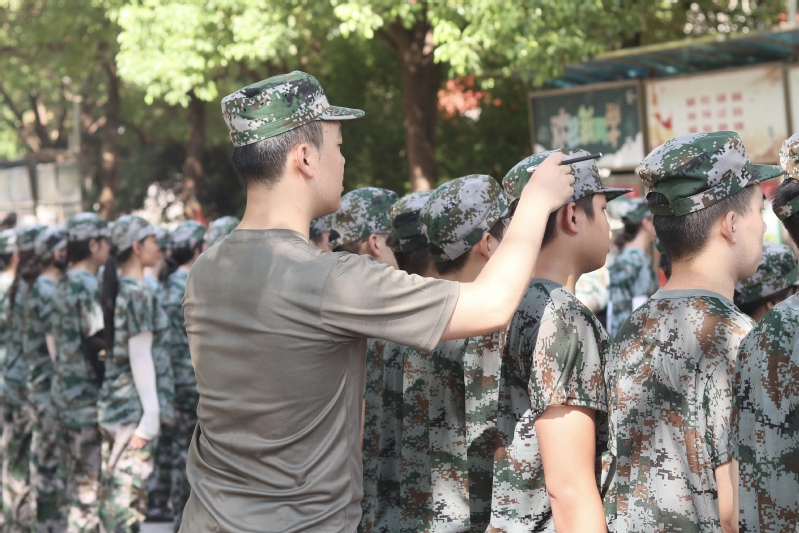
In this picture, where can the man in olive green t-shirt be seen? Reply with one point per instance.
(277, 327)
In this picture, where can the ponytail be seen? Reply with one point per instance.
(109, 296)
(630, 232)
(28, 270)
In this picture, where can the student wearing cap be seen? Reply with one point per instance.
(320, 232)
(632, 280)
(187, 245)
(77, 318)
(776, 279)
(765, 419)
(17, 424)
(409, 242)
(551, 406)
(277, 327)
(128, 409)
(362, 225)
(47, 486)
(219, 229)
(670, 370)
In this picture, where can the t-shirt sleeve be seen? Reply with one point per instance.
(717, 403)
(140, 313)
(363, 298)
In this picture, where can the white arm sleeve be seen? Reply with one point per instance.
(143, 368)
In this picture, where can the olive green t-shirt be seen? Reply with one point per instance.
(277, 331)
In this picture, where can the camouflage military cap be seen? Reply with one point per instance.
(789, 156)
(8, 241)
(85, 226)
(636, 212)
(129, 229)
(777, 271)
(163, 237)
(405, 222)
(220, 228)
(277, 105)
(188, 234)
(50, 241)
(698, 170)
(586, 177)
(26, 237)
(362, 212)
(320, 225)
(459, 213)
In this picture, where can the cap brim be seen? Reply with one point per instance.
(334, 112)
(611, 193)
(765, 172)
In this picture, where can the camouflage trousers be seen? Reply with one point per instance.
(46, 473)
(16, 468)
(82, 457)
(124, 478)
(185, 422)
(159, 491)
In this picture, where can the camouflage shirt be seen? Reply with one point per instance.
(136, 312)
(765, 421)
(670, 376)
(186, 396)
(162, 360)
(76, 315)
(5, 283)
(554, 356)
(630, 275)
(16, 370)
(38, 321)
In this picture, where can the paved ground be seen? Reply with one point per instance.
(156, 527)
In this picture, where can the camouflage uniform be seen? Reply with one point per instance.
(777, 271)
(219, 229)
(45, 471)
(77, 315)
(764, 418)
(630, 276)
(670, 371)
(8, 245)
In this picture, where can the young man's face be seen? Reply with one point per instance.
(751, 228)
(598, 240)
(331, 167)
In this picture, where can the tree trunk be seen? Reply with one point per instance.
(193, 165)
(108, 176)
(421, 79)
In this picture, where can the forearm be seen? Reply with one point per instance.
(50, 340)
(143, 370)
(727, 483)
(578, 508)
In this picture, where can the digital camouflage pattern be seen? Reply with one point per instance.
(765, 422)
(219, 229)
(49, 241)
(277, 105)
(789, 162)
(776, 271)
(26, 237)
(319, 225)
(83, 458)
(636, 211)
(698, 170)
(670, 380)
(188, 234)
(129, 229)
(15, 372)
(405, 222)
(555, 355)
(459, 213)
(592, 289)
(8, 241)
(164, 238)
(85, 226)
(362, 212)
(17, 498)
(586, 177)
(630, 276)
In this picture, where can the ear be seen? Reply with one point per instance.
(484, 247)
(137, 248)
(303, 158)
(568, 218)
(372, 246)
(728, 226)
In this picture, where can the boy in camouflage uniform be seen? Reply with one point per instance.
(776, 279)
(77, 316)
(670, 371)
(219, 229)
(551, 393)
(39, 352)
(766, 412)
(362, 224)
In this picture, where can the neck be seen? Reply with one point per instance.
(558, 267)
(52, 272)
(278, 207)
(641, 241)
(132, 268)
(85, 264)
(701, 274)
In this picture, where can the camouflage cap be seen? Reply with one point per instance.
(163, 237)
(405, 222)
(187, 234)
(459, 213)
(789, 156)
(636, 211)
(777, 271)
(362, 212)
(129, 229)
(698, 170)
(276, 105)
(320, 225)
(586, 177)
(8, 241)
(50, 241)
(85, 226)
(26, 237)
(219, 229)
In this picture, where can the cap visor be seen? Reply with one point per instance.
(765, 172)
(611, 193)
(341, 113)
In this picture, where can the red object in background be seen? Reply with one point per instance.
(769, 187)
(199, 217)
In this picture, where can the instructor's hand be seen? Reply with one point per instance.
(137, 443)
(550, 185)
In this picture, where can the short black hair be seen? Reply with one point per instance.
(351, 247)
(415, 262)
(685, 237)
(750, 307)
(5, 260)
(263, 162)
(586, 203)
(184, 254)
(456, 265)
(787, 191)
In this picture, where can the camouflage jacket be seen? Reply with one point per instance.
(15, 372)
(186, 396)
(765, 421)
(5, 284)
(38, 320)
(670, 376)
(630, 275)
(136, 312)
(76, 315)
(162, 360)
(554, 356)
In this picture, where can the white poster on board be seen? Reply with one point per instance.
(750, 101)
(793, 96)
